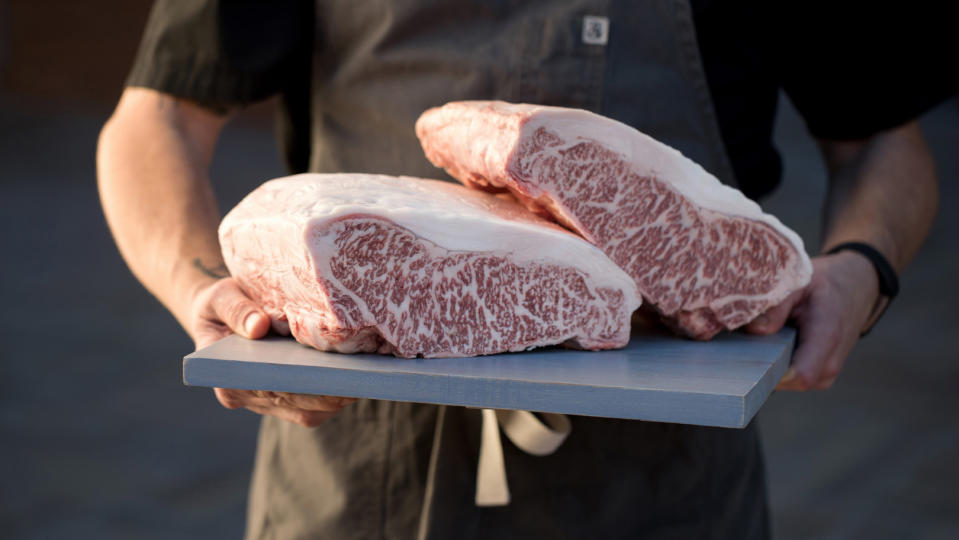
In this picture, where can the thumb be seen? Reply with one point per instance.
(237, 311)
(773, 320)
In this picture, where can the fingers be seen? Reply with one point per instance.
(231, 399)
(297, 416)
(830, 371)
(306, 402)
(819, 355)
(235, 309)
(234, 399)
(773, 320)
(303, 409)
(787, 381)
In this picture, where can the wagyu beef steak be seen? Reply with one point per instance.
(705, 256)
(413, 267)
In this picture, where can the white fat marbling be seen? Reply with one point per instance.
(448, 215)
(650, 157)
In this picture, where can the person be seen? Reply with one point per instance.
(351, 79)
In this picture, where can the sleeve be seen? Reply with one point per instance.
(856, 72)
(223, 53)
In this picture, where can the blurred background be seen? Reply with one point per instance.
(100, 439)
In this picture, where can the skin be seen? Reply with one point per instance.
(882, 191)
(153, 159)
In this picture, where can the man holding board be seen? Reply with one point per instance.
(354, 76)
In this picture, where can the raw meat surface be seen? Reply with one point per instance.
(705, 256)
(413, 267)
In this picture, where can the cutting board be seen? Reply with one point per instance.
(657, 377)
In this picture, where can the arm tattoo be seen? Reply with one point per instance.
(219, 271)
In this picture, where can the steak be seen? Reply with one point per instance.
(705, 256)
(413, 267)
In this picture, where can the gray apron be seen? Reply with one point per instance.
(401, 470)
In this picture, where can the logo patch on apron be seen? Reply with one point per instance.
(595, 30)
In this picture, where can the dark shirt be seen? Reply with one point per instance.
(850, 73)
(370, 68)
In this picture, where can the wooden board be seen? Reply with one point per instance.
(657, 377)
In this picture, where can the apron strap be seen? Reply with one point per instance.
(528, 433)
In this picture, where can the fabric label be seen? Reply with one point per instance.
(595, 30)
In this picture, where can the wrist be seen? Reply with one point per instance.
(873, 273)
(861, 267)
(188, 284)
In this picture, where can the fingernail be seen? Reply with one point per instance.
(790, 375)
(249, 323)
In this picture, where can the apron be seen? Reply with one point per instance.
(396, 470)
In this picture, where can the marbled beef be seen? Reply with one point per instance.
(701, 253)
(412, 267)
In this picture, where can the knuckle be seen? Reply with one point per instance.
(227, 284)
(769, 328)
(833, 339)
(825, 384)
(237, 312)
(343, 401)
(228, 399)
(830, 373)
(309, 419)
(229, 302)
(217, 293)
(802, 382)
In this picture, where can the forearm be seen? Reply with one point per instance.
(152, 163)
(882, 191)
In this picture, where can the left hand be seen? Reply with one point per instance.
(829, 313)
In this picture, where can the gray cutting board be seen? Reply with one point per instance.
(657, 377)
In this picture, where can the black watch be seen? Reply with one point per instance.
(888, 281)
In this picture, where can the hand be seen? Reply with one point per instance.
(829, 313)
(221, 309)
(304, 409)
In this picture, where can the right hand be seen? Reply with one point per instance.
(221, 309)
(829, 314)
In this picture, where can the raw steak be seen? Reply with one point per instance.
(413, 267)
(703, 254)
